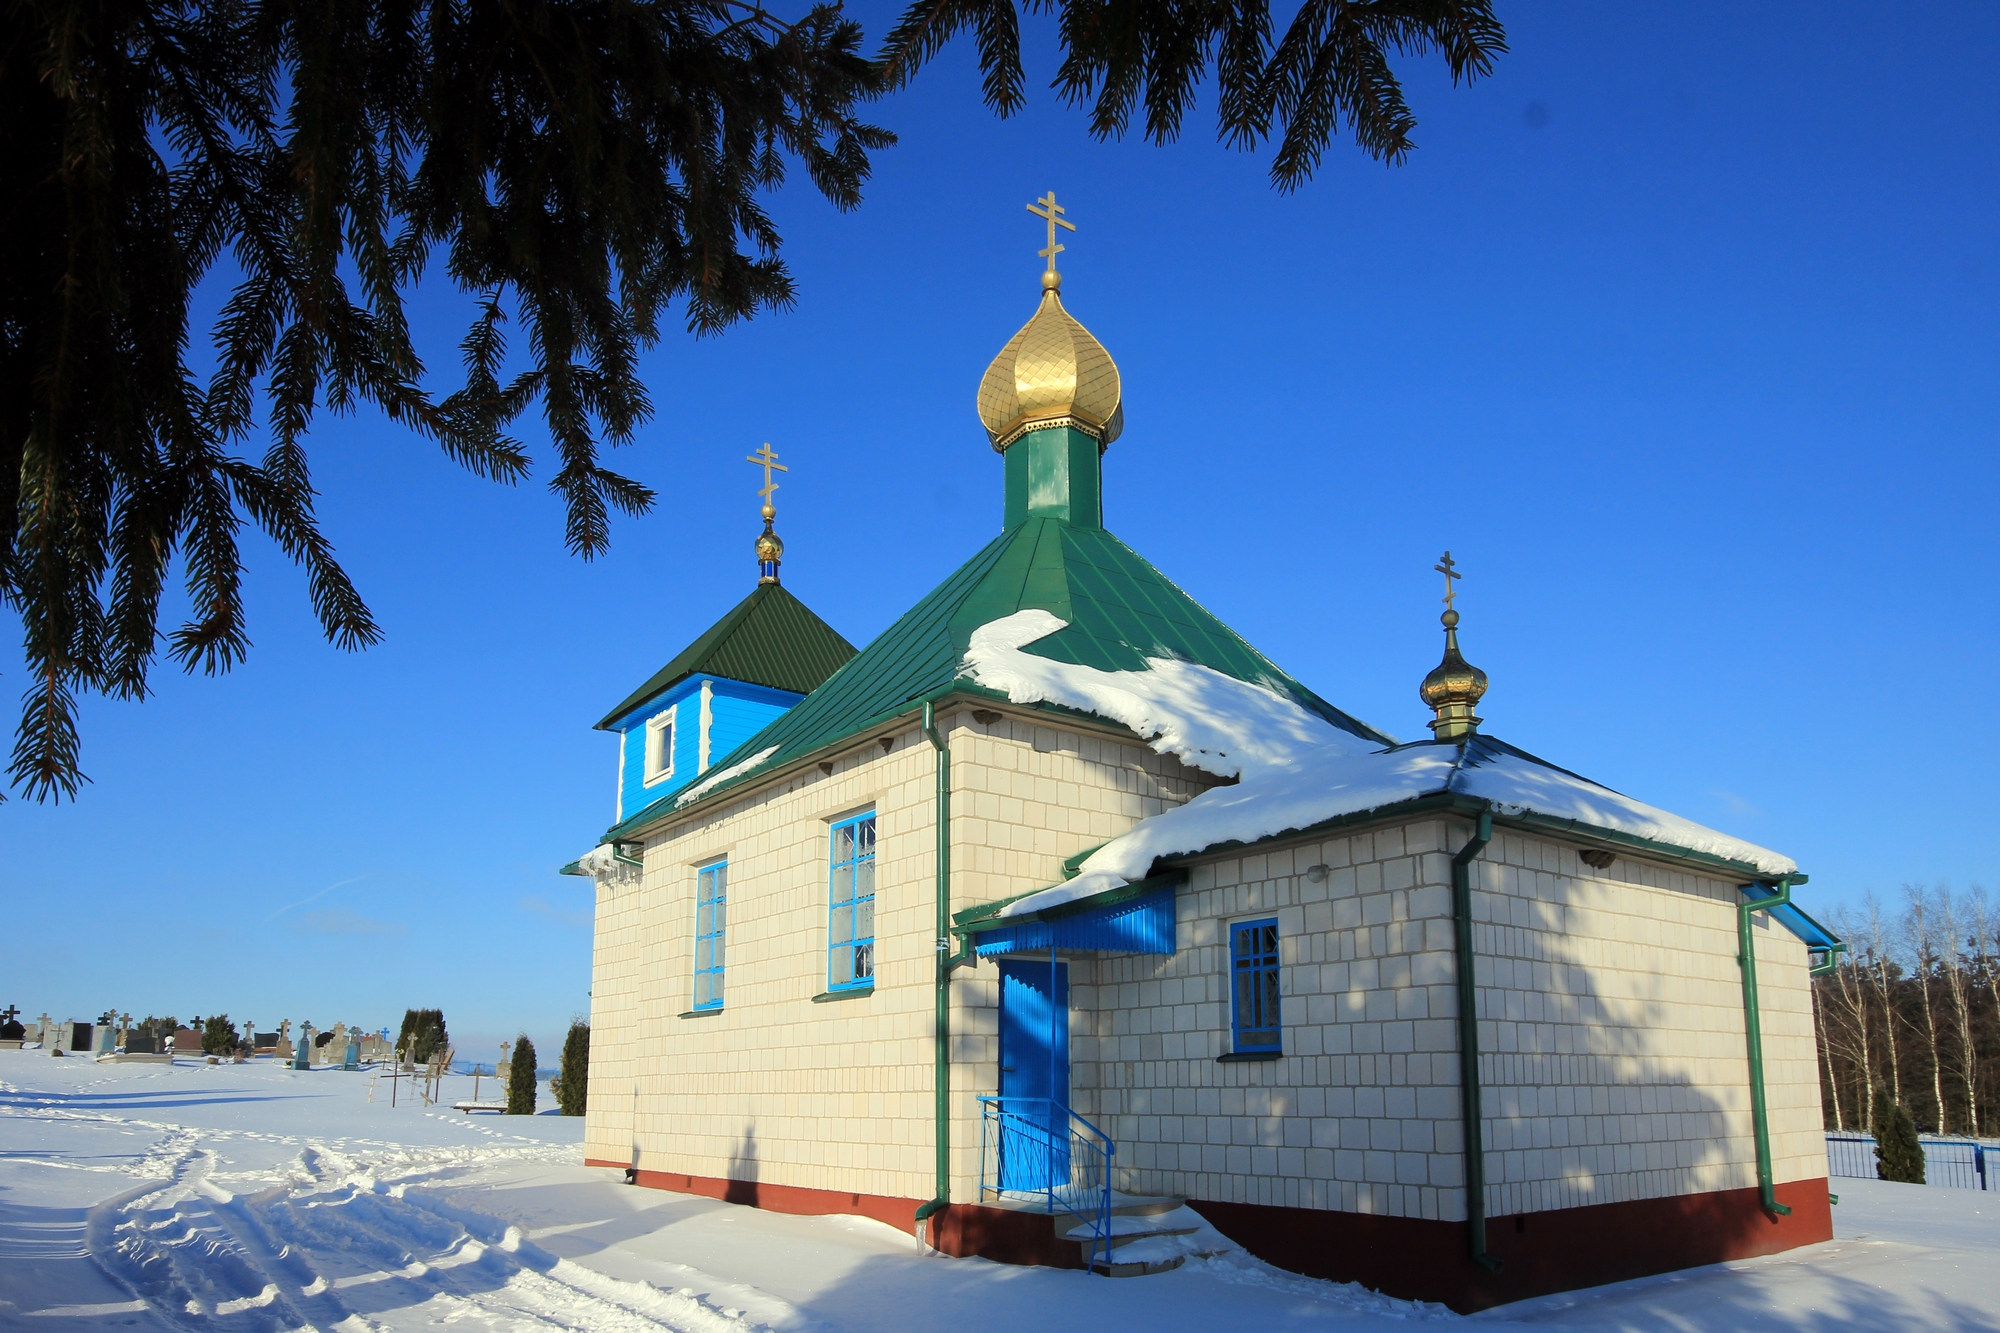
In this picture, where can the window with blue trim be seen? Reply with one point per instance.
(850, 960)
(1253, 955)
(710, 917)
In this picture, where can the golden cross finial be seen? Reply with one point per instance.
(1052, 212)
(767, 460)
(1449, 568)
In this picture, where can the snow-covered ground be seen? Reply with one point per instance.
(251, 1197)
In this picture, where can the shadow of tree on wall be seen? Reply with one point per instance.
(742, 1187)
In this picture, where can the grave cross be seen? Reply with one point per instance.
(1052, 213)
(9, 1014)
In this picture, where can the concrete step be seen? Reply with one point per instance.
(1138, 1269)
(1132, 1205)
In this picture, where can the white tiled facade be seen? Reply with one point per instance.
(1610, 1001)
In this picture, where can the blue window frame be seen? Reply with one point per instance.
(710, 918)
(850, 961)
(1253, 953)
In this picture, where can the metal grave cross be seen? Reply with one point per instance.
(1052, 212)
(767, 460)
(1449, 568)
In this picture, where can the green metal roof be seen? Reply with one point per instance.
(769, 638)
(1120, 610)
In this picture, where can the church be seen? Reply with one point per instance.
(1059, 908)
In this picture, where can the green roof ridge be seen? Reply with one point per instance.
(1120, 609)
(770, 638)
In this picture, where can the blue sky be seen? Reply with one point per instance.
(1679, 331)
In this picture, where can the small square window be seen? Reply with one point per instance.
(1253, 953)
(851, 903)
(660, 747)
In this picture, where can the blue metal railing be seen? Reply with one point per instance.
(1038, 1149)
(1952, 1163)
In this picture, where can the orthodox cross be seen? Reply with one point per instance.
(9, 1014)
(767, 460)
(1450, 571)
(1052, 212)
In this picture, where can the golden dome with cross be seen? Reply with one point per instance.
(1053, 372)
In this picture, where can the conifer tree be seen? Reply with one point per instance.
(575, 170)
(423, 1034)
(572, 1091)
(218, 1036)
(521, 1078)
(1898, 1154)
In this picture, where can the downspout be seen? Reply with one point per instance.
(1753, 1040)
(1468, 1045)
(941, 1077)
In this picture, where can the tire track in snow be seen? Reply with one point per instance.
(334, 1248)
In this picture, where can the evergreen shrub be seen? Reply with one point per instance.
(423, 1034)
(218, 1036)
(573, 1087)
(1898, 1155)
(521, 1078)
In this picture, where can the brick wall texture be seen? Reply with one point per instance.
(1610, 1002)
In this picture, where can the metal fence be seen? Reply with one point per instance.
(1954, 1163)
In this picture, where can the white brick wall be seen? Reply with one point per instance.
(838, 1095)
(1610, 1004)
(1611, 1031)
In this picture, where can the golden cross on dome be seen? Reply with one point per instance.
(1052, 212)
(767, 460)
(1450, 571)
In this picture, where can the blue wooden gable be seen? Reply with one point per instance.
(709, 716)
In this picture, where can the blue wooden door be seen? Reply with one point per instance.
(1034, 1074)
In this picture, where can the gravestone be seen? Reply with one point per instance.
(77, 1038)
(303, 1058)
(282, 1047)
(104, 1036)
(351, 1053)
(137, 1045)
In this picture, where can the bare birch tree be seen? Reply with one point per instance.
(1951, 969)
(1921, 931)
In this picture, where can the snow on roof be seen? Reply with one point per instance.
(722, 775)
(1295, 769)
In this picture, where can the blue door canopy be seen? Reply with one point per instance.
(1133, 918)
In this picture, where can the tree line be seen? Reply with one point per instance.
(1910, 1014)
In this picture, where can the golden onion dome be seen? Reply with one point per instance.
(770, 549)
(1051, 373)
(1453, 687)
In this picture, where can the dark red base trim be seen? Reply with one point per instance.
(959, 1229)
(1542, 1252)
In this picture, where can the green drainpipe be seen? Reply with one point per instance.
(1468, 1044)
(941, 1078)
(1753, 1039)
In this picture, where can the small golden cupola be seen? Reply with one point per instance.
(1053, 372)
(770, 546)
(1454, 685)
